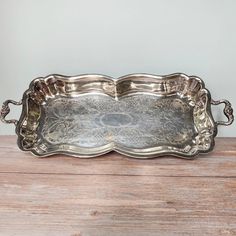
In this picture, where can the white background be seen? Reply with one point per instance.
(40, 37)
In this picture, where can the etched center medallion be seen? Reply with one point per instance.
(116, 119)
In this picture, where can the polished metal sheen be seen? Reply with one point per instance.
(138, 115)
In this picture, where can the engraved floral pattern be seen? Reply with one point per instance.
(134, 121)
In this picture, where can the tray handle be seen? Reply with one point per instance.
(5, 111)
(228, 111)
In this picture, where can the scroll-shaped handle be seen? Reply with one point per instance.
(6, 109)
(228, 111)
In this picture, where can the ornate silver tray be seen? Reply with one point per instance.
(138, 115)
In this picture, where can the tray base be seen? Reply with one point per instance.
(136, 121)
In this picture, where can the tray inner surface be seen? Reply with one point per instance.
(134, 121)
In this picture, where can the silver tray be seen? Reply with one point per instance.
(138, 115)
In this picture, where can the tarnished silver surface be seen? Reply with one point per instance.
(136, 121)
(139, 115)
